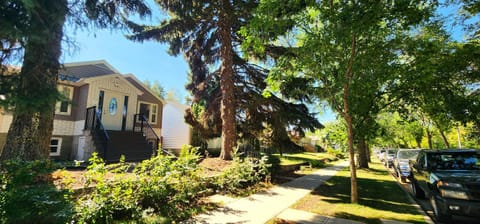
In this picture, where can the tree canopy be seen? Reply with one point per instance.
(348, 52)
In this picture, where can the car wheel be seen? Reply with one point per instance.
(417, 192)
(439, 214)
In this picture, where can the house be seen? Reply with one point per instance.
(175, 132)
(106, 111)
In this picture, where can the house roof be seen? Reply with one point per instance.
(177, 104)
(77, 71)
(137, 83)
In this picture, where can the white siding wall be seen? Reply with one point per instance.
(175, 131)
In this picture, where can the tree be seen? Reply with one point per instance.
(204, 33)
(35, 96)
(339, 46)
(441, 78)
(156, 88)
(191, 21)
(29, 134)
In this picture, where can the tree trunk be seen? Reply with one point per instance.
(29, 134)
(362, 153)
(348, 120)
(429, 139)
(367, 150)
(445, 140)
(226, 83)
(419, 143)
(442, 133)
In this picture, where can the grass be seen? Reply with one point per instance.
(379, 198)
(315, 159)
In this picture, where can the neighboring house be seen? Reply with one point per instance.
(102, 114)
(175, 132)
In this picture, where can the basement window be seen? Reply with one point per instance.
(55, 146)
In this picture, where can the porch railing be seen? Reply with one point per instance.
(140, 124)
(99, 134)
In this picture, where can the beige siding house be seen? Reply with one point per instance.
(105, 108)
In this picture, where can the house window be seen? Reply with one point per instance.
(64, 106)
(149, 110)
(112, 106)
(55, 146)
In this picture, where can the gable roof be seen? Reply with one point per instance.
(177, 105)
(79, 70)
(137, 83)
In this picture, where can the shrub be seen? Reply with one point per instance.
(110, 194)
(158, 189)
(241, 174)
(29, 195)
(274, 164)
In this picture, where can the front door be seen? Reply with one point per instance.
(112, 111)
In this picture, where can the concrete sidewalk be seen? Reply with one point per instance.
(261, 207)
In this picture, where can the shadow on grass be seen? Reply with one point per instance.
(376, 194)
(349, 216)
(376, 171)
(320, 162)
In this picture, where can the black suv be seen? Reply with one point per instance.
(450, 179)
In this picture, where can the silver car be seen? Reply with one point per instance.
(401, 162)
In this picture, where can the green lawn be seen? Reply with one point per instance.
(380, 198)
(313, 158)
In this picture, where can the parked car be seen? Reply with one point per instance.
(401, 163)
(450, 179)
(381, 155)
(389, 155)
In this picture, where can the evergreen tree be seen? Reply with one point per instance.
(207, 33)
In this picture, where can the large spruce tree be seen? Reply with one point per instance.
(227, 89)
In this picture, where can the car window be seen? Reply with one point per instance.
(410, 154)
(455, 161)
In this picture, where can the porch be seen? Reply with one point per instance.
(137, 144)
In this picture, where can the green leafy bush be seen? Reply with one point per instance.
(160, 189)
(109, 194)
(29, 195)
(241, 174)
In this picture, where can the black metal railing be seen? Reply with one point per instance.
(140, 124)
(99, 134)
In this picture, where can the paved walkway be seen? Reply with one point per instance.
(261, 207)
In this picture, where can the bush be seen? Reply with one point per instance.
(274, 164)
(109, 194)
(29, 195)
(158, 189)
(241, 174)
